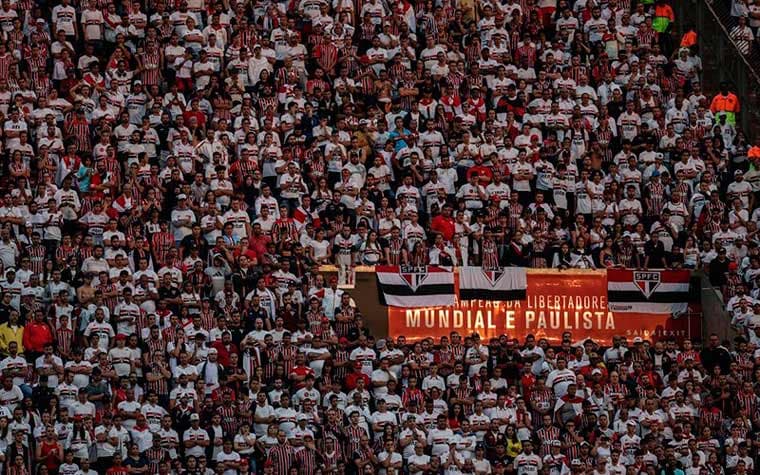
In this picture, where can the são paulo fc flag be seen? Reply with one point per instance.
(648, 291)
(505, 283)
(404, 286)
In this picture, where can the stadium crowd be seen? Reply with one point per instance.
(177, 173)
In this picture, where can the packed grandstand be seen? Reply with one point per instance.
(180, 176)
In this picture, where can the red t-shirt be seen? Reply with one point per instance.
(200, 116)
(351, 379)
(36, 336)
(444, 225)
(259, 244)
(301, 371)
(485, 174)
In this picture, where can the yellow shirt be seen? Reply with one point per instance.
(9, 334)
(514, 448)
(469, 10)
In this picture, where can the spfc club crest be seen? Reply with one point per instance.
(413, 276)
(647, 282)
(493, 275)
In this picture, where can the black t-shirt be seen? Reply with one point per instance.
(173, 189)
(139, 462)
(656, 254)
(5, 313)
(169, 293)
(615, 108)
(354, 333)
(201, 243)
(331, 211)
(41, 396)
(718, 271)
(253, 314)
(640, 140)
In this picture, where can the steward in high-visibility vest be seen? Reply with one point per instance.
(663, 17)
(725, 102)
(689, 39)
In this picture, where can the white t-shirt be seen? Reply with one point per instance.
(196, 435)
(233, 456)
(366, 356)
(418, 460)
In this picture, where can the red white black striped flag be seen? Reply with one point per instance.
(505, 283)
(648, 291)
(403, 286)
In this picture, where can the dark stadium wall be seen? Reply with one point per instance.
(365, 296)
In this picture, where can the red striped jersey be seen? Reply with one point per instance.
(64, 337)
(37, 258)
(546, 435)
(229, 418)
(161, 386)
(307, 461)
(283, 457)
(353, 437)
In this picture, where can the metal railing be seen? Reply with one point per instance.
(748, 51)
(726, 57)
